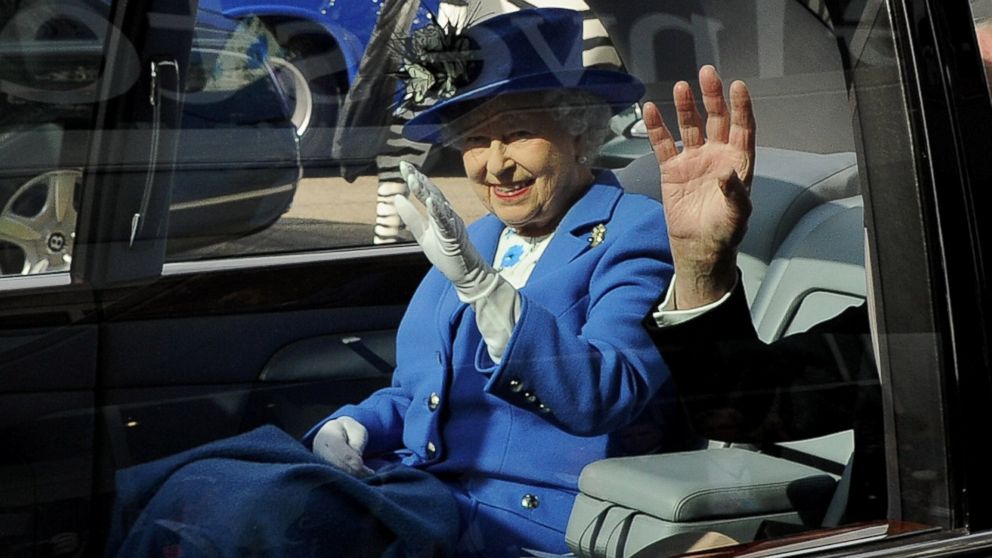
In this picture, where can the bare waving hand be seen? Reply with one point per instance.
(706, 186)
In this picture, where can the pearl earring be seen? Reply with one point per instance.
(582, 159)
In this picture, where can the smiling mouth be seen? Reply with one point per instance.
(512, 190)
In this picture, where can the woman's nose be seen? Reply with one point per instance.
(498, 162)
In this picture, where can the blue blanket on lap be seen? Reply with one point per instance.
(264, 494)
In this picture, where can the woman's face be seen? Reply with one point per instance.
(522, 164)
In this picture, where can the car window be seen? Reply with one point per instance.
(50, 65)
(829, 401)
(880, 335)
(260, 92)
(238, 160)
(805, 409)
(258, 95)
(277, 194)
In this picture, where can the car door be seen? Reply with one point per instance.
(159, 290)
(64, 66)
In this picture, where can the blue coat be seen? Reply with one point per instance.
(510, 439)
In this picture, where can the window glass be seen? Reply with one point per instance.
(773, 410)
(254, 168)
(247, 185)
(238, 160)
(257, 174)
(49, 63)
(800, 399)
(795, 404)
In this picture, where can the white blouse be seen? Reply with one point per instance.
(496, 313)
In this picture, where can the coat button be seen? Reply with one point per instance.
(543, 408)
(433, 401)
(530, 397)
(516, 385)
(431, 450)
(529, 501)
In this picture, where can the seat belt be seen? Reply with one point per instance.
(838, 503)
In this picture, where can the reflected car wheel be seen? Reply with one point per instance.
(38, 224)
(292, 80)
(312, 72)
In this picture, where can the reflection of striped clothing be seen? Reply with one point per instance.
(388, 226)
(597, 48)
(598, 51)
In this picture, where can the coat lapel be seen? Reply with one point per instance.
(572, 236)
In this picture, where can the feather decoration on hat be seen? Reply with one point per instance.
(363, 118)
(434, 60)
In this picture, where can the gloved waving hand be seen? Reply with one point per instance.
(443, 238)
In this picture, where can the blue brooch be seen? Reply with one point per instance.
(512, 256)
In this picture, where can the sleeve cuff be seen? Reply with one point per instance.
(665, 315)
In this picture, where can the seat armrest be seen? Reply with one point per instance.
(708, 484)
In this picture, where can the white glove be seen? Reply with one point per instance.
(340, 442)
(443, 237)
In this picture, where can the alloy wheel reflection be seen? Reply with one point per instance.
(298, 91)
(38, 223)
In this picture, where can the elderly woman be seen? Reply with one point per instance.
(522, 350)
(521, 353)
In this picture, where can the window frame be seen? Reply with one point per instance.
(951, 106)
(944, 309)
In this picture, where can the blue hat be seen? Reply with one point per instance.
(529, 50)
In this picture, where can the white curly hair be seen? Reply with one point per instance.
(581, 114)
